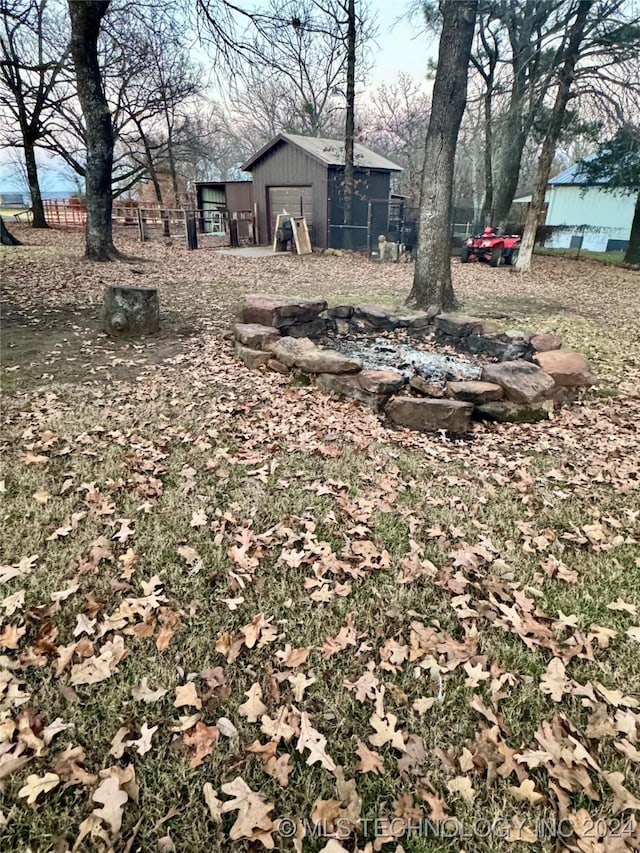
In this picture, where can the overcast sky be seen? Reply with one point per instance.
(401, 46)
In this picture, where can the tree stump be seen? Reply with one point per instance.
(131, 311)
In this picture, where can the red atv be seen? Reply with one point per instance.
(491, 247)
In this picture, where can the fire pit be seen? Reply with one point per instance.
(422, 370)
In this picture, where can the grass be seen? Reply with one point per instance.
(281, 471)
(615, 258)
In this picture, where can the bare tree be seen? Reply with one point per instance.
(432, 276)
(30, 64)
(570, 55)
(396, 124)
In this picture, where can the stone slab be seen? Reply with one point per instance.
(427, 414)
(252, 358)
(506, 411)
(522, 381)
(272, 310)
(377, 316)
(254, 335)
(475, 392)
(286, 350)
(348, 385)
(425, 388)
(460, 325)
(305, 355)
(311, 329)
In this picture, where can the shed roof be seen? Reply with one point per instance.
(329, 152)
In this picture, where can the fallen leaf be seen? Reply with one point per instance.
(186, 694)
(462, 785)
(37, 785)
(143, 692)
(213, 803)
(254, 707)
(253, 821)
(112, 798)
(526, 792)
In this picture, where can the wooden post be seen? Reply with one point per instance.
(141, 230)
(192, 231)
(233, 232)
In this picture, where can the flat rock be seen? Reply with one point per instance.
(462, 325)
(522, 381)
(426, 388)
(252, 358)
(340, 312)
(506, 411)
(349, 385)
(286, 350)
(311, 329)
(567, 367)
(269, 310)
(427, 414)
(377, 316)
(417, 321)
(380, 381)
(305, 355)
(277, 366)
(254, 335)
(475, 392)
(545, 341)
(327, 361)
(486, 345)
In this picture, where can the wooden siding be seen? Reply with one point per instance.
(239, 195)
(286, 165)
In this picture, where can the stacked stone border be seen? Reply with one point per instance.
(533, 375)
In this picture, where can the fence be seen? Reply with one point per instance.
(155, 221)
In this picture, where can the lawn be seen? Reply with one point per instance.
(235, 613)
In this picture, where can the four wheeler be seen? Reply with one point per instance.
(492, 247)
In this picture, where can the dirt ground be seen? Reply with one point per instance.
(51, 301)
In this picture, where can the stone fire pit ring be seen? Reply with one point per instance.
(509, 376)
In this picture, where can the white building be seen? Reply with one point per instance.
(584, 215)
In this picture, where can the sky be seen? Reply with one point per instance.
(400, 45)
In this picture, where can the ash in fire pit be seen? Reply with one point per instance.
(386, 354)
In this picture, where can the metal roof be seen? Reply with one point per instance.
(330, 152)
(574, 175)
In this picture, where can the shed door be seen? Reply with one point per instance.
(298, 201)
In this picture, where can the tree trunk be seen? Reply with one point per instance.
(567, 73)
(349, 126)
(37, 207)
(507, 163)
(487, 206)
(632, 255)
(432, 277)
(6, 237)
(86, 17)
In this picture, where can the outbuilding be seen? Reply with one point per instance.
(305, 176)
(582, 215)
(219, 202)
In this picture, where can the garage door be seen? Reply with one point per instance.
(297, 201)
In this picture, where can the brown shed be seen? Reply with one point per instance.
(304, 175)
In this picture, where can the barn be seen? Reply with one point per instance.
(305, 176)
(584, 215)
